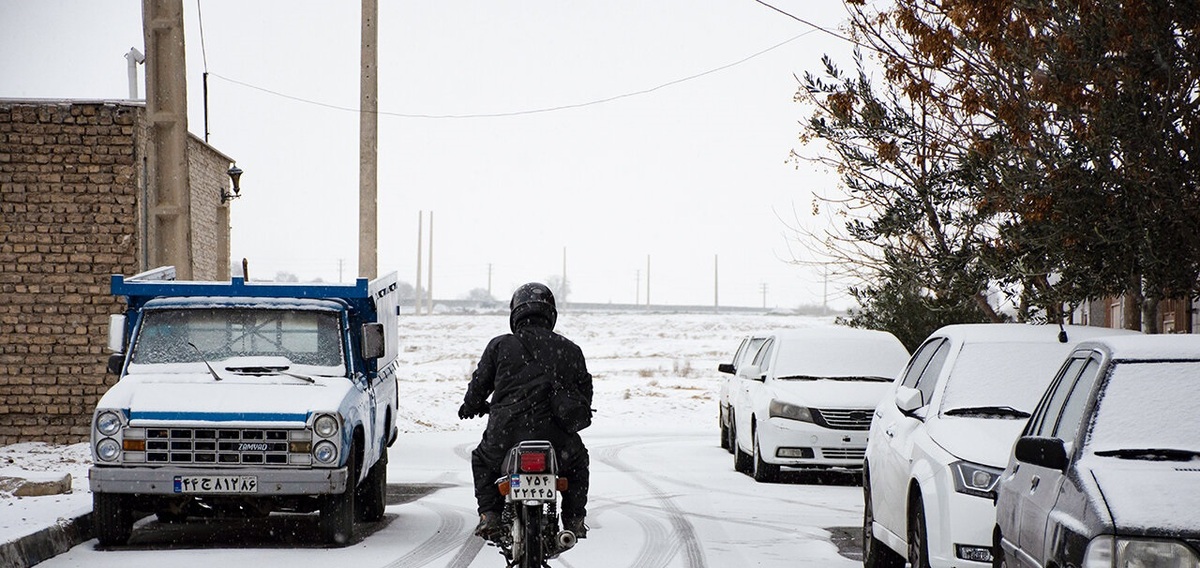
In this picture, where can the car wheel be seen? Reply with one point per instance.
(998, 560)
(724, 435)
(112, 517)
(741, 460)
(336, 519)
(876, 554)
(372, 494)
(763, 472)
(918, 543)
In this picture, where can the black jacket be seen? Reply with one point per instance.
(519, 405)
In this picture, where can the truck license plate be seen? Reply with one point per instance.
(525, 486)
(216, 484)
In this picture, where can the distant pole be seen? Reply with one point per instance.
(825, 292)
(420, 231)
(647, 281)
(563, 299)
(341, 265)
(763, 286)
(489, 280)
(429, 275)
(368, 145)
(716, 286)
(637, 290)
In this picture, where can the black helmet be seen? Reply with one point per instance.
(532, 300)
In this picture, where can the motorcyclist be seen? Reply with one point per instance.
(519, 412)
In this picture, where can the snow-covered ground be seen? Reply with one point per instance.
(663, 492)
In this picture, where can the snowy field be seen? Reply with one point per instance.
(663, 492)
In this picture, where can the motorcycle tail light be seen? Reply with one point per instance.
(533, 462)
(561, 484)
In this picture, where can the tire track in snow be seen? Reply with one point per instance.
(685, 532)
(449, 534)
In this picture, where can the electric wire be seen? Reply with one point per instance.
(527, 111)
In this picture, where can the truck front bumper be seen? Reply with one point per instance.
(271, 482)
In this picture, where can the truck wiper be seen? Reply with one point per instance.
(1151, 454)
(986, 411)
(211, 370)
(270, 370)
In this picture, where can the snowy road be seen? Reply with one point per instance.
(669, 499)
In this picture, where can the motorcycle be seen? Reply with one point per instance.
(530, 486)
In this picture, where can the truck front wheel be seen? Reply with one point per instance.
(336, 520)
(372, 494)
(112, 518)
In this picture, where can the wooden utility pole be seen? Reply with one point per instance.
(169, 198)
(368, 148)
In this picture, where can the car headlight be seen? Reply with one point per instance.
(108, 423)
(108, 449)
(325, 426)
(325, 452)
(1109, 552)
(779, 409)
(974, 479)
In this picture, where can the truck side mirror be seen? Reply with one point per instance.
(116, 333)
(373, 346)
(1050, 453)
(115, 362)
(726, 368)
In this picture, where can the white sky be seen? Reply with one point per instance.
(684, 173)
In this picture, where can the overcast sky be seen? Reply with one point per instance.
(681, 155)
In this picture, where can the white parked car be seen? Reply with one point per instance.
(805, 399)
(940, 440)
(729, 383)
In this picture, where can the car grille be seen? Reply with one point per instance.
(855, 454)
(217, 446)
(843, 419)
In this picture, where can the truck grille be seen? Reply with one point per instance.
(217, 446)
(843, 419)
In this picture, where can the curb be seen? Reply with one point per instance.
(47, 543)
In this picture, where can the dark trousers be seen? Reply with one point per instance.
(572, 458)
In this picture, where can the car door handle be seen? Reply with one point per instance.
(1033, 483)
(890, 431)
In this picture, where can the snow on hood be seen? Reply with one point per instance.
(822, 393)
(233, 400)
(1149, 497)
(985, 441)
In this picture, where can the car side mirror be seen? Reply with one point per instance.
(373, 346)
(752, 372)
(1050, 453)
(726, 368)
(909, 399)
(115, 362)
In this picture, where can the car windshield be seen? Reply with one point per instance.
(999, 375)
(260, 340)
(1148, 411)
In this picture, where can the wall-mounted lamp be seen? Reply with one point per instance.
(235, 176)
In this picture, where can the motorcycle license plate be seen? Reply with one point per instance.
(525, 486)
(216, 484)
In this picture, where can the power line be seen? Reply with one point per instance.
(814, 26)
(528, 111)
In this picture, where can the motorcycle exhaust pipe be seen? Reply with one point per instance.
(565, 540)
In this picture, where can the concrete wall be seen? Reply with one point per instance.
(71, 181)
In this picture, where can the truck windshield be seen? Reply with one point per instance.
(302, 337)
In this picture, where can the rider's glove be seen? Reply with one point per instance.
(467, 411)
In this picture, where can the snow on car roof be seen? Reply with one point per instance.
(1149, 347)
(1022, 333)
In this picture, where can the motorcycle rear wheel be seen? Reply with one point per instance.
(532, 553)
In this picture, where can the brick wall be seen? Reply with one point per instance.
(68, 219)
(71, 176)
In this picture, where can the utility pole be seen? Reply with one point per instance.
(368, 144)
(489, 280)
(637, 290)
(763, 287)
(341, 264)
(716, 286)
(647, 281)
(429, 286)
(417, 292)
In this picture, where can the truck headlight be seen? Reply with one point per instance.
(108, 449)
(975, 479)
(325, 426)
(1108, 551)
(325, 452)
(779, 409)
(108, 423)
